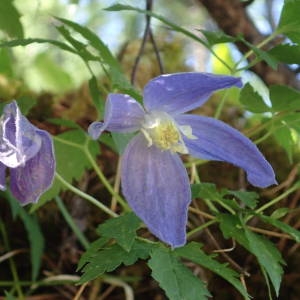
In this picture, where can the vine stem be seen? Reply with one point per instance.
(85, 196)
(277, 199)
(105, 181)
(82, 239)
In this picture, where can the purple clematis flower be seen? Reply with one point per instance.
(28, 152)
(154, 179)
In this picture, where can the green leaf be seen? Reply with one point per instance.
(97, 98)
(35, 236)
(295, 234)
(6, 65)
(206, 190)
(71, 160)
(177, 280)
(29, 41)
(193, 252)
(289, 22)
(262, 55)
(231, 227)
(265, 251)
(109, 258)
(284, 98)
(122, 229)
(10, 19)
(250, 199)
(217, 37)
(121, 140)
(64, 122)
(268, 257)
(289, 54)
(252, 101)
(92, 251)
(280, 212)
(284, 138)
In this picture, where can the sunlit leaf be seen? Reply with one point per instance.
(289, 22)
(10, 19)
(252, 101)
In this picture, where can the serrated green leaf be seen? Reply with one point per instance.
(193, 252)
(92, 251)
(10, 19)
(177, 280)
(268, 257)
(289, 54)
(284, 98)
(108, 259)
(71, 160)
(289, 22)
(252, 101)
(295, 234)
(206, 190)
(250, 199)
(122, 229)
(231, 227)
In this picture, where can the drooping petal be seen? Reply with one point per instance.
(180, 92)
(2, 177)
(18, 139)
(30, 181)
(156, 186)
(218, 141)
(122, 114)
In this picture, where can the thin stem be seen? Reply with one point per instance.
(85, 196)
(277, 199)
(105, 182)
(84, 242)
(199, 228)
(221, 105)
(156, 51)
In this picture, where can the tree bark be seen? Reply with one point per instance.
(232, 18)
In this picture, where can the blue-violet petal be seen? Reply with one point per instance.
(218, 141)
(122, 114)
(28, 182)
(181, 92)
(18, 140)
(156, 186)
(2, 177)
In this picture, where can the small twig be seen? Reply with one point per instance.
(80, 291)
(147, 33)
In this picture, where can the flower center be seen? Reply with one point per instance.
(161, 130)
